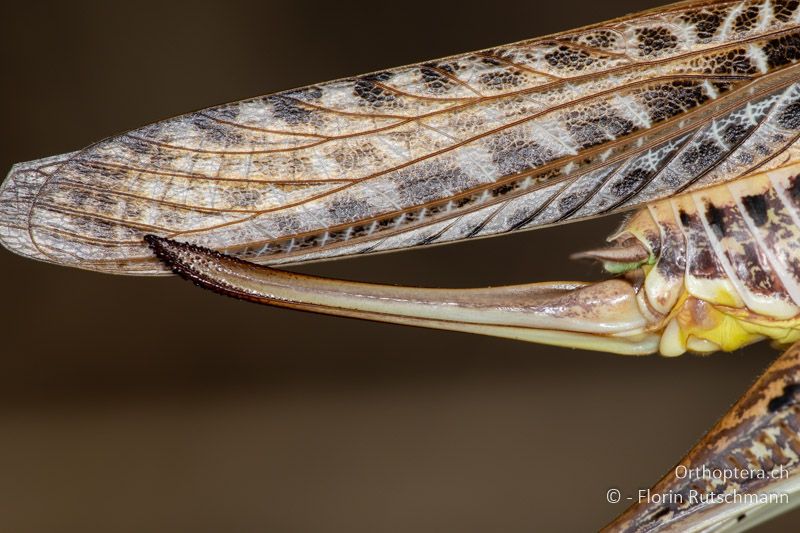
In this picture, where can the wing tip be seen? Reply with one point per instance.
(18, 193)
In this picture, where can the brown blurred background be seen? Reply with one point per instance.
(133, 404)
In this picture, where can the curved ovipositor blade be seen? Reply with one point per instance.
(539, 132)
(594, 316)
(744, 471)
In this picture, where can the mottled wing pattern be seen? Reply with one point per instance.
(539, 132)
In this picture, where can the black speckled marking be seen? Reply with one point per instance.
(715, 219)
(788, 397)
(305, 93)
(704, 263)
(371, 93)
(349, 209)
(565, 57)
(379, 76)
(698, 157)
(596, 125)
(746, 20)
(490, 60)
(504, 189)
(789, 116)
(500, 79)
(434, 80)
(735, 132)
(216, 131)
(569, 202)
(668, 100)
(654, 40)
(756, 207)
(705, 24)
(427, 184)
(289, 111)
(782, 50)
(226, 111)
(794, 189)
(784, 9)
(732, 62)
(512, 154)
(629, 183)
(604, 39)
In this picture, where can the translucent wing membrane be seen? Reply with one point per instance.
(539, 132)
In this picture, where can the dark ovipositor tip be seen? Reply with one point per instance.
(161, 249)
(153, 241)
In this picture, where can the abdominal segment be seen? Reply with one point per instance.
(726, 267)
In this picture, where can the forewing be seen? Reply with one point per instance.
(539, 132)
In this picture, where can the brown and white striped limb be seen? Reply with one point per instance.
(759, 434)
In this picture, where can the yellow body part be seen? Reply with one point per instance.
(698, 326)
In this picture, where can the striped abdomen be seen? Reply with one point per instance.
(724, 266)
